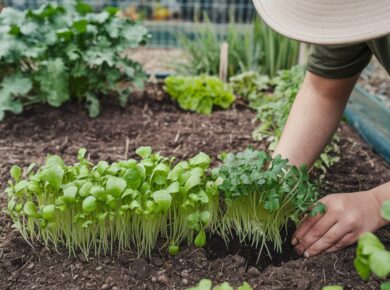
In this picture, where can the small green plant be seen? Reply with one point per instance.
(249, 85)
(261, 195)
(273, 99)
(371, 255)
(129, 204)
(206, 284)
(259, 49)
(199, 94)
(61, 52)
(332, 287)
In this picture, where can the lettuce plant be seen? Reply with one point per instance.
(261, 195)
(61, 52)
(129, 204)
(371, 255)
(199, 94)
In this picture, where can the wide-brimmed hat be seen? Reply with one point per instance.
(327, 22)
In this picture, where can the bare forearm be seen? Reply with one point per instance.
(314, 118)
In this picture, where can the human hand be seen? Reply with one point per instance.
(348, 216)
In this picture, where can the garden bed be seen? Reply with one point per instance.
(152, 119)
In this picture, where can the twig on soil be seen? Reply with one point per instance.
(177, 148)
(62, 147)
(323, 272)
(24, 266)
(177, 137)
(270, 275)
(369, 159)
(127, 147)
(334, 265)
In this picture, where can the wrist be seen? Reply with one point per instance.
(380, 194)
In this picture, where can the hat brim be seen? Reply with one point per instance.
(327, 22)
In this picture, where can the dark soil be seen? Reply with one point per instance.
(151, 119)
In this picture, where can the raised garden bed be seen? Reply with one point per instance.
(369, 108)
(152, 119)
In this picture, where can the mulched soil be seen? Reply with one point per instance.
(152, 119)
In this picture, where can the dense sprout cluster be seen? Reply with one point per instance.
(131, 204)
(261, 195)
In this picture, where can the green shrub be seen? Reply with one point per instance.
(62, 52)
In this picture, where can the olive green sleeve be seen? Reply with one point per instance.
(338, 62)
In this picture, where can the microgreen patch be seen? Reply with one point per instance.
(261, 195)
(128, 203)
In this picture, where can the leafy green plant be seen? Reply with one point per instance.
(62, 52)
(250, 85)
(259, 49)
(371, 255)
(273, 99)
(261, 195)
(199, 93)
(206, 284)
(129, 203)
(332, 287)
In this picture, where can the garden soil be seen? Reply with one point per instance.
(152, 119)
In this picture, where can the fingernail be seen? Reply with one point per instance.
(306, 254)
(294, 241)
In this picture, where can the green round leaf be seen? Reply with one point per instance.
(81, 154)
(48, 212)
(54, 176)
(202, 160)
(380, 263)
(85, 190)
(385, 210)
(144, 151)
(173, 250)
(55, 160)
(115, 186)
(89, 204)
(99, 192)
(332, 287)
(16, 172)
(163, 200)
(200, 239)
(70, 194)
(30, 209)
(205, 217)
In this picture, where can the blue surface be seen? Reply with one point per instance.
(371, 118)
